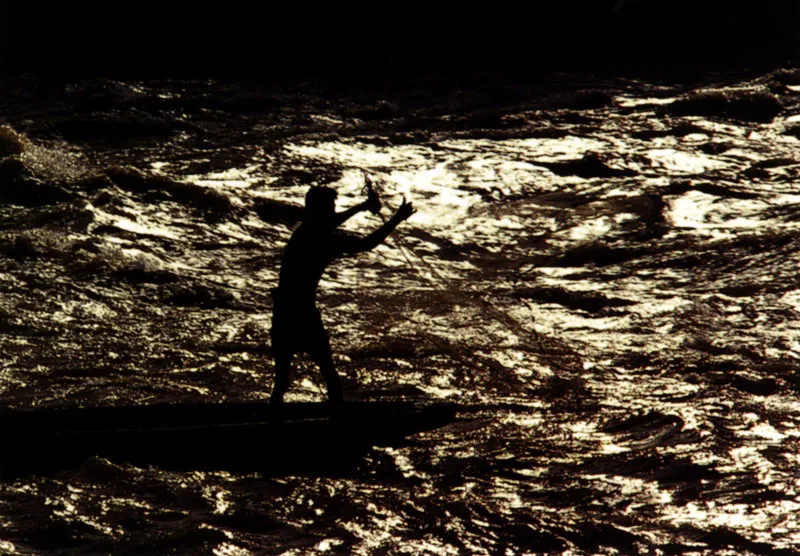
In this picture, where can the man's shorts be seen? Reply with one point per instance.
(297, 329)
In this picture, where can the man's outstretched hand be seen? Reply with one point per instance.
(405, 211)
(373, 203)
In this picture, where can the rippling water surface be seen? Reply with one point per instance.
(602, 274)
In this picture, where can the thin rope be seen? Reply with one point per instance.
(505, 319)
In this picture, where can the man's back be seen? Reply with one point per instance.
(309, 251)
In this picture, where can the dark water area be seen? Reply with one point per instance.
(602, 276)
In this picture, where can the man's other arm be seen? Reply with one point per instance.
(349, 244)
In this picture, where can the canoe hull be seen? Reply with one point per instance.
(297, 438)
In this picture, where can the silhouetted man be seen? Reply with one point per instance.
(296, 323)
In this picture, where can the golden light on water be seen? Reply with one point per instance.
(608, 294)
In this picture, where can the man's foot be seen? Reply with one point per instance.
(335, 406)
(335, 402)
(278, 413)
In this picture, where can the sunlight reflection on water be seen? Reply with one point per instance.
(648, 299)
(678, 161)
(697, 210)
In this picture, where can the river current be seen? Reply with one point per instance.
(602, 274)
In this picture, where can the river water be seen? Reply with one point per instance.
(602, 274)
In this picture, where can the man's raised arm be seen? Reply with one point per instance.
(345, 215)
(372, 204)
(371, 241)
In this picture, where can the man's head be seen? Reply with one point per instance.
(320, 204)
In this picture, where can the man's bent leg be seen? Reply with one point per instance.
(319, 347)
(324, 360)
(283, 366)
